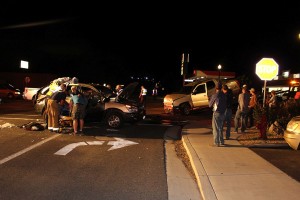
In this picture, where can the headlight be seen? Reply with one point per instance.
(131, 109)
(293, 126)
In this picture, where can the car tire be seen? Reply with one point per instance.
(114, 119)
(185, 109)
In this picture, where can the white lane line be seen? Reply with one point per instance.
(27, 149)
(21, 115)
(18, 118)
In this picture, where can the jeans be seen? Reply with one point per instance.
(239, 115)
(227, 122)
(217, 126)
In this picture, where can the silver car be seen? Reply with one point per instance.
(114, 111)
(292, 133)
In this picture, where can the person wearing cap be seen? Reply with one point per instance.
(218, 103)
(78, 104)
(228, 112)
(252, 104)
(242, 110)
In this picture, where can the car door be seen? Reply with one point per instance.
(95, 106)
(199, 95)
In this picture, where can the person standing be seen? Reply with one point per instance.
(78, 104)
(252, 104)
(218, 103)
(228, 112)
(54, 105)
(273, 100)
(143, 95)
(297, 94)
(242, 110)
(118, 89)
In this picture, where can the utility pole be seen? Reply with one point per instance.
(184, 65)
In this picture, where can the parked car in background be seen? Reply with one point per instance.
(8, 91)
(292, 133)
(103, 105)
(29, 93)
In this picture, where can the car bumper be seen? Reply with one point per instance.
(132, 117)
(171, 109)
(293, 139)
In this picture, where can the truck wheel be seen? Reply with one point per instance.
(114, 119)
(185, 109)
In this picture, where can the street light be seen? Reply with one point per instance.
(219, 68)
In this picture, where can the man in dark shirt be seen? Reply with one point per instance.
(228, 112)
(218, 103)
(54, 106)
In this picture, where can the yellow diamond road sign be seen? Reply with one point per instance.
(267, 69)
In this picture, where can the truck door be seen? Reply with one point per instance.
(199, 96)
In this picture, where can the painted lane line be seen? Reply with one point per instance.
(27, 149)
(120, 143)
(21, 115)
(19, 118)
(65, 150)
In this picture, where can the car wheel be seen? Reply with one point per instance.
(185, 109)
(114, 119)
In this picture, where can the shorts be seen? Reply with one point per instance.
(78, 111)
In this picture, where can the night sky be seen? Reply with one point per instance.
(110, 43)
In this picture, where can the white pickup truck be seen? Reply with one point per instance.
(195, 95)
(29, 93)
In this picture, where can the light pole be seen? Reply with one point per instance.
(219, 68)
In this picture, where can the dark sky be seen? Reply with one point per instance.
(115, 40)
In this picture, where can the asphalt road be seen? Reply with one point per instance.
(101, 164)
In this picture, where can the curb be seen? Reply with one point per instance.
(203, 182)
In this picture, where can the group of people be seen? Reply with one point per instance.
(244, 113)
(77, 106)
(222, 104)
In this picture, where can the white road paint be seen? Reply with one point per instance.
(27, 149)
(19, 118)
(120, 143)
(95, 142)
(67, 149)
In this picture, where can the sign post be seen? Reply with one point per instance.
(266, 69)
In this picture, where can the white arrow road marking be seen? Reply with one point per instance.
(67, 149)
(120, 143)
(64, 151)
(95, 142)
